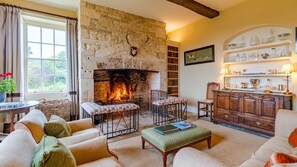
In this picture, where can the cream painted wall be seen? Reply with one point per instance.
(41, 7)
(251, 13)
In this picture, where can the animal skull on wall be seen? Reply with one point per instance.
(134, 49)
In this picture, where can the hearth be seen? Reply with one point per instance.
(118, 86)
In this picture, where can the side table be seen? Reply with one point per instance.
(14, 108)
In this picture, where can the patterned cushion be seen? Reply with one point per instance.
(93, 108)
(169, 101)
(175, 140)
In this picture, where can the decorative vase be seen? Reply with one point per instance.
(2, 97)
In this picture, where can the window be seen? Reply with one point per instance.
(45, 58)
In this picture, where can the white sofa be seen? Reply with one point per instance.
(285, 123)
(81, 130)
(17, 150)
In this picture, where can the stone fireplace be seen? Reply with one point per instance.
(103, 47)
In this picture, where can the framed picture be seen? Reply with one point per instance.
(200, 55)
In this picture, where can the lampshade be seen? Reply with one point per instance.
(224, 71)
(287, 68)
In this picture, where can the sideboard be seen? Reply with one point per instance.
(250, 110)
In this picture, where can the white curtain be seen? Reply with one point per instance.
(73, 67)
(10, 46)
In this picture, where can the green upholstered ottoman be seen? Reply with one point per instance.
(173, 142)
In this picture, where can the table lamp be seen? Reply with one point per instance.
(224, 71)
(287, 68)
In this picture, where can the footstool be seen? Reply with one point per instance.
(169, 143)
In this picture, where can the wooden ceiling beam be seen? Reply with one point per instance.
(197, 7)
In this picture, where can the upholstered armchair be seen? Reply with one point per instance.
(81, 130)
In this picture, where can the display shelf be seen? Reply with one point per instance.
(260, 46)
(259, 75)
(260, 61)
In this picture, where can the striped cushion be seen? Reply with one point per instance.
(175, 140)
(93, 108)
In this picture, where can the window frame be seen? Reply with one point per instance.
(41, 24)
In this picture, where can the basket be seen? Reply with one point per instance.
(60, 108)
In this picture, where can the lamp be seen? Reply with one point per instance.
(287, 68)
(224, 71)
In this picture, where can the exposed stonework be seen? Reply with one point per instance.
(102, 44)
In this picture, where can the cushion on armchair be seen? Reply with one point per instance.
(57, 127)
(50, 152)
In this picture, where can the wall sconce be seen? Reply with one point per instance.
(224, 72)
(287, 68)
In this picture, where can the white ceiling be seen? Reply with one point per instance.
(173, 15)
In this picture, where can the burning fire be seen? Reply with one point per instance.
(120, 92)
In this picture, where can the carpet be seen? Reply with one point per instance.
(229, 145)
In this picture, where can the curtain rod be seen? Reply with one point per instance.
(38, 11)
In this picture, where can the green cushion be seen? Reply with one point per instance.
(50, 152)
(175, 140)
(57, 127)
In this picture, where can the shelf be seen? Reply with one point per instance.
(255, 90)
(260, 46)
(260, 75)
(260, 61)
(173, 86)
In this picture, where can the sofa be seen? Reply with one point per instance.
(34, 121)
(18, 148)
(285, 123)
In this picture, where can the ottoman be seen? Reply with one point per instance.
(169, 143)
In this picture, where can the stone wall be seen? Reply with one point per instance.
(102, 44)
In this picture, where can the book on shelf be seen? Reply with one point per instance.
(166, 129)
(182, 125)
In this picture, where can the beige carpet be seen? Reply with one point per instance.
(228, 145)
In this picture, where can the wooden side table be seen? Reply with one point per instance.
(14, 108)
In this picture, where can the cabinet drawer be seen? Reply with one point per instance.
(259, 123)
(228, 117)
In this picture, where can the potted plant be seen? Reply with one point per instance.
(7, 85)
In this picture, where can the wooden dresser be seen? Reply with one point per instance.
(253, 111)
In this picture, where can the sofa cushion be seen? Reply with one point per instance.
(50, 152)
(57, 127)
(67, 141)
(17, 149)
(275, 144)
(90, 130)
(281, 159)
(34, 121)
(252, 163)
(293, 138)
(106, 162)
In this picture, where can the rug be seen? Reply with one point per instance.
(229, 145)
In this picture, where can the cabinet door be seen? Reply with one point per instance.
(249, 104)
(268, 106)
(222, 101)
(234, 103)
